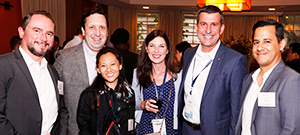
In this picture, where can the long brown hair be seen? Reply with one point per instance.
(144, 66)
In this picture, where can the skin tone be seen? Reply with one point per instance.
(95, 32)
(266, 49)
(109, 67)
(38, 37)
(157, 50)
(208, 30)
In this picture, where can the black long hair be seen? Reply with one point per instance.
(99, 82)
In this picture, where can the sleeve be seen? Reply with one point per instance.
(6, 128)
(137, 91)
(239, 71)
(84, 115)
(64, 117)
(289, 104)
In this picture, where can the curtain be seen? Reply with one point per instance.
(57, 9)
(171, 21)
(124, 18)
(241, 25)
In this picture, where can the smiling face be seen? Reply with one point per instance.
(95, 32)
(266, 49)
(208, 30)
(38, 36)
(109, 67)
(157, 50)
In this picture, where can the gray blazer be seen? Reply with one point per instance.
(71, 67)
(284, 119)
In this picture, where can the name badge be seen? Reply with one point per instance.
(130, 124)
(60, 86)
(266, 99)
(156, 123)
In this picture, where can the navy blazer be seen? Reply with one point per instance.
(20, 111)
(221, 96)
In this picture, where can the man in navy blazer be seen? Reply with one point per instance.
(270, 99)
(210, 90)
(30, 103)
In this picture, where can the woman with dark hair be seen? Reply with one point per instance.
(156, 83)
(107, 106)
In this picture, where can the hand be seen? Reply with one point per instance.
(149, 106)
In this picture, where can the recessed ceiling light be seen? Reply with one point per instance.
(145, 7)
(271, 9)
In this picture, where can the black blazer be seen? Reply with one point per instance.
(20, 111)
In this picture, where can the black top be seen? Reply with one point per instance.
(117, 105)
(294, 64)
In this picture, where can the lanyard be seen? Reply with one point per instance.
(162, 89)
(194, 80)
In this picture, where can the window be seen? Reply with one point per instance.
(146, 23)
(291, 24)
(189, 34)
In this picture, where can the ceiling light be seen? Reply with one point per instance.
(145, 7)
(271, 9)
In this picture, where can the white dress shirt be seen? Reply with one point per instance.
(250, 100)
(45, 89)
(201, 64)
(90, 60)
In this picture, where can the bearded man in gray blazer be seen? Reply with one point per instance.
(76, 65)
(270, 99)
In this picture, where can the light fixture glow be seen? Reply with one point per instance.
(272, 9)
(145, 7)
(227, 5)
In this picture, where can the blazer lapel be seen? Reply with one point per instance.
(269, 83)
(214, 68)
(78, 55)
(54, 80)
(188, 59)
(22, 65)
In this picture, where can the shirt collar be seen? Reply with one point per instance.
(210, 54)
(87, 49)
(29, 61)
(265, 76)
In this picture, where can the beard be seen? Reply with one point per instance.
(33, 51)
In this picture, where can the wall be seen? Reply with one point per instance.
(9, 22)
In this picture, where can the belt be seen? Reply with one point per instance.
(194, 126)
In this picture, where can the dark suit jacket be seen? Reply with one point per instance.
(20, 111)
(221, 96)
(284, 118)
(129, 63)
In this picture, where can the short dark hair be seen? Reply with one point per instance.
(14, 41)
(210, 9)
(182, 46)
(267, 22)
(90, 12)
(120, 36)
(27, 17)
(295, 48)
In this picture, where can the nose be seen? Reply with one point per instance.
(43, 37)
(208, 29)
(97, 32)
(156, 49)
(108, 68)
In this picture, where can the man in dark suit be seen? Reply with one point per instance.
(29, 97)
(120, 39)
(270, 102)
(212, 76)
(76, 65)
